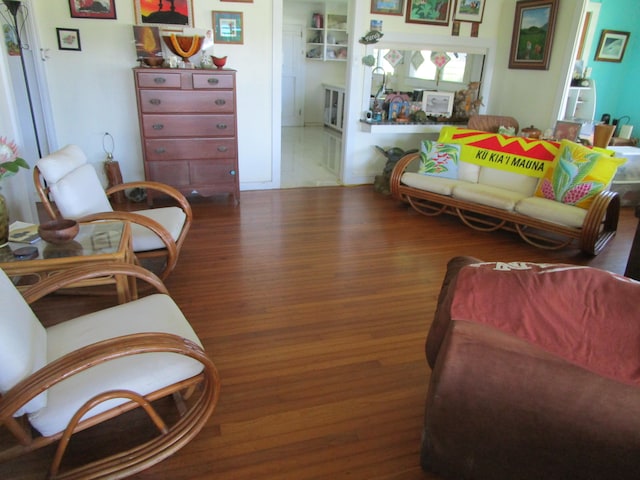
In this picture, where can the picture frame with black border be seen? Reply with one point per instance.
(68, 39)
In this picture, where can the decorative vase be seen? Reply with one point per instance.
(4, 221)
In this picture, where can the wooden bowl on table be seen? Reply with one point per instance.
(58, 231)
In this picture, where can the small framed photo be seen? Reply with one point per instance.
(428, 13)
(68, 39)
(387, 7)
(97, 9)
(612, 45)
(438, 104)
(532, 35)
(469, 10)
(228, 27)
(174, 12)
(566, 131)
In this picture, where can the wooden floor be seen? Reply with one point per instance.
(314, 304)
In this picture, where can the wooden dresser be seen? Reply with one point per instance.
(189, 129)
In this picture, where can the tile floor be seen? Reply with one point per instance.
(310, 157)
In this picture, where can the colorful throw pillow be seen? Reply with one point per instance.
(577, 175)
(510, 131)
(439, 159)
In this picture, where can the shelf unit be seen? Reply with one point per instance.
(581, 103)
(327, 37)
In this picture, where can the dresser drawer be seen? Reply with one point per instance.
(185, 101)
(193, 173)
(175, 174)
(161, 126)
(158, 80)
(216, 172)
(212, 80)
(192, 148)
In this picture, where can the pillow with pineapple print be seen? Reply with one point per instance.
(577, 175)
(439, 159)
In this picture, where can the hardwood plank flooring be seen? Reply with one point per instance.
(314, 304)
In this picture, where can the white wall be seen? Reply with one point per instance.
(92, 91)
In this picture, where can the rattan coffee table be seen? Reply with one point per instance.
(96, 242)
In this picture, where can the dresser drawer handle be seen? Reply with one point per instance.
(159, 80)
(157, 126)
(221, 101)
(222, 148)
(221, 126)
(160, 150)
(213, 81)
(155, 101)
(232, 172)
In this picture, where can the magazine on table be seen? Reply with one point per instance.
(21, 232)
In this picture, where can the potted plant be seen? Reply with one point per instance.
(10, 164)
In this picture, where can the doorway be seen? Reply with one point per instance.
(311, 153)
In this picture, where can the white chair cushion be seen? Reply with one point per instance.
(552, 211)
(80, 193)
(516, 182)
(429, 183)
(58, 164)
(23, 342)
(143, 373)
(487, 195)
(171, 218)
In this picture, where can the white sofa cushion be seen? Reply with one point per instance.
(142, 373)
(440, 185)
(552, 211)
(23, 342)
(487, 195)
(468, 172)
(516, 182)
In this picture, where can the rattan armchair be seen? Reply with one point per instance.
(66, 178)
(59, 380)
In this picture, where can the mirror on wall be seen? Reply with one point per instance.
(398, 70)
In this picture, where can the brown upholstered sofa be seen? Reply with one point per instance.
(551, 390)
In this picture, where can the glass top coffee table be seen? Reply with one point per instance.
(96, 242)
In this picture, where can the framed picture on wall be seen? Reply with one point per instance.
(532, 36)
(174, 12)
(387, 7)
(428, 13)
(95, 9)
(469, 10)
(228, 27)
(612, 45)
(68, 39)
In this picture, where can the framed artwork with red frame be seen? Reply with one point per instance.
(105, 9)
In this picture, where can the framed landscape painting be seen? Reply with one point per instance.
(469, 10)
(532, 37)
(95, 9)
(387, 7)
(153, 12)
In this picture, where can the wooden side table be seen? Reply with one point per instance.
(633, 263)
(96, 242)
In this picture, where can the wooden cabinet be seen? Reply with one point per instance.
(189, 129)
(333, 106)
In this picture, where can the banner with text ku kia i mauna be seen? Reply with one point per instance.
(513, 154)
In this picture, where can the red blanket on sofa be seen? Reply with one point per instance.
(587, 316)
